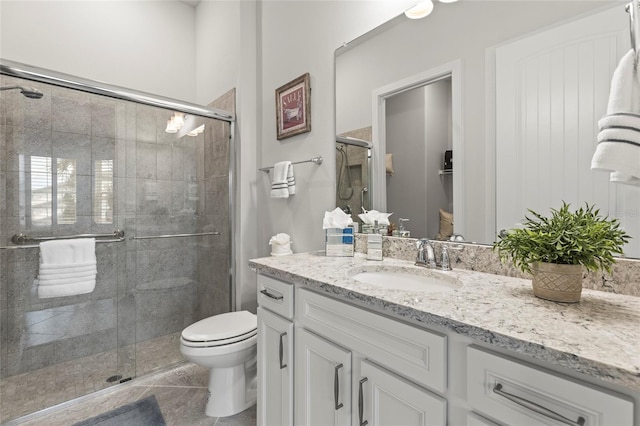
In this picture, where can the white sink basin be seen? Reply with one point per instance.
(404, 278)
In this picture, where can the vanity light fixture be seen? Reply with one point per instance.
(420, 10)
(447, 1)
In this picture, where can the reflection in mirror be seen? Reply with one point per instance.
(353, 157)
(418, 133)
(459, 33)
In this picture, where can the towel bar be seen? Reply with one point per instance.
(318, 160)
(199, 234)
(21, 239)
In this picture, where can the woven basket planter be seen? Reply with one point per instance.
(556, 282)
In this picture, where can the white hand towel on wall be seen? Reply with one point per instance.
(291, 180)
(279, 185)
(67, 267)
(618, 147)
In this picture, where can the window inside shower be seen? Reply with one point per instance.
(76, 163)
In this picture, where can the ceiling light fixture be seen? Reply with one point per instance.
(420, 10)
(447, 1)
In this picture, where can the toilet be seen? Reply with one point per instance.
(226, 344)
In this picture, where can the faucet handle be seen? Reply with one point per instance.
(420, 257)
(446, 265)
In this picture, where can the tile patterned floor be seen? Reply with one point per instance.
(27, 393)
(181, 393)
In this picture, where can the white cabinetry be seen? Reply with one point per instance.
(349, 363)
(275, 352)
(354, 366)
(385, 398)
(323, 381)
(516, 393)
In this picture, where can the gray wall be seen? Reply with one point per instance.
(418, 126)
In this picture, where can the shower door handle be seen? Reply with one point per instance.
(281, 351)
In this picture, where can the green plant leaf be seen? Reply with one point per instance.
(581, 237)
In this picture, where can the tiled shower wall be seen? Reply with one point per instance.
(162, 184)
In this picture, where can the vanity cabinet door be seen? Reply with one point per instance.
(275, 369)
(323, 381)
(384, 398)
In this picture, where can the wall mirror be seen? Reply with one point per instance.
(467, 42)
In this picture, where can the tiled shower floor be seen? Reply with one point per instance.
(36, 390)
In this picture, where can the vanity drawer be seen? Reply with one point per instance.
(275, 295)
(411, 351)
(515, 393)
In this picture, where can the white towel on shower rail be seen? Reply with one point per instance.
(67, 267)
(618, 150)
(67, 252)
(48, 291)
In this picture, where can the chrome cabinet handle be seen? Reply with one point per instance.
(271, 296)
(336, 387)
(537, 408)
(361, 404)
(281, 351)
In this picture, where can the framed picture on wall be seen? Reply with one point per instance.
(293, 107)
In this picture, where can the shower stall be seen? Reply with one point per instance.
(151, 180)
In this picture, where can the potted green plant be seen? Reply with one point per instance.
(556, 249)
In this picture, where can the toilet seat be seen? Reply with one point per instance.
(221, 330)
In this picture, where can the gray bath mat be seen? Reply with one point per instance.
(144, 412)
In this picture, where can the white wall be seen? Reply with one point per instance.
(298, 37)
(144, 45)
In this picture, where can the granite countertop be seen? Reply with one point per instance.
(599, 336)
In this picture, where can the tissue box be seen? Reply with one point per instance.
(339, 242)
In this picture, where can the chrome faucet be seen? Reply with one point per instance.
(426, 256)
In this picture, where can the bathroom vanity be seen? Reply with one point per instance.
(486, 352)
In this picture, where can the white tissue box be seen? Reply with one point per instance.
(339, 242)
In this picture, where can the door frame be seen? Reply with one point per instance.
(380, 95)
